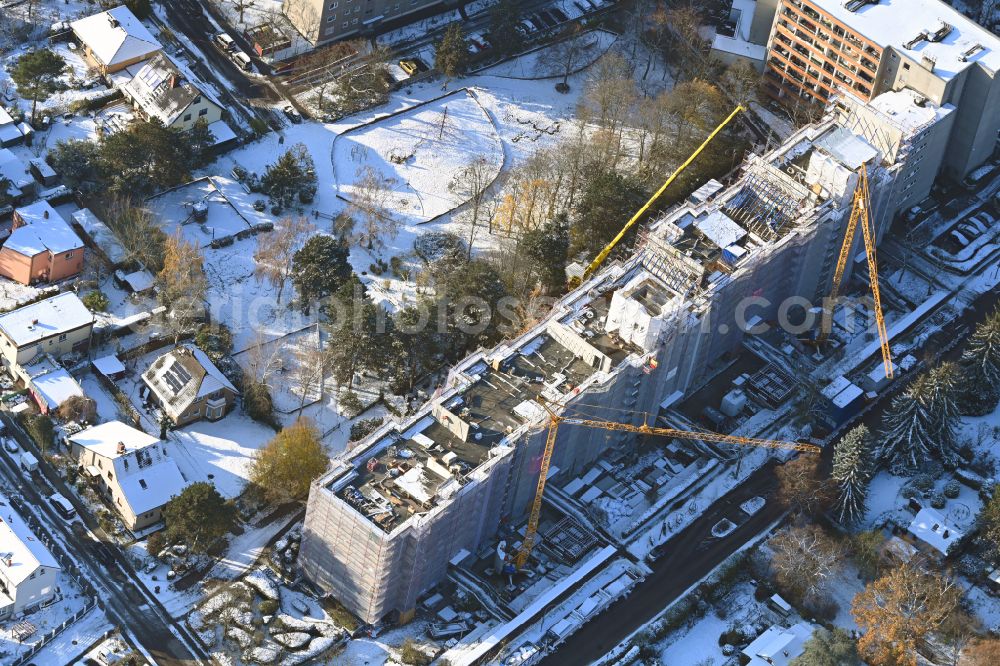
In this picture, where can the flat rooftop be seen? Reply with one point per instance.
(409, 471)
(953, 41)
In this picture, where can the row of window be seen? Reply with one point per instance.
(203, 112)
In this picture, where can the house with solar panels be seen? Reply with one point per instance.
(188, 387)
(162, 91)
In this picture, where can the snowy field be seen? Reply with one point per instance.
(419, 155)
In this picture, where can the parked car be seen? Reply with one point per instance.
(11, 445)
(28, 462)
(241, 60)
(978, 177)
(224, 42)
(62, 507)
(292, 114)
(559, 15)
(959, 238)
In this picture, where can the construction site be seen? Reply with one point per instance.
(657, 379)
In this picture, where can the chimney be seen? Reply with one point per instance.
(45, 214)
(928, 62)
(121, 448)
(34, 322)
(173, 81)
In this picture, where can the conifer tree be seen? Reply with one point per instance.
(981, 367)
(922, 421)
(852, 472)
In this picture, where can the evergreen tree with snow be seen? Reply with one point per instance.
(922, 421)
(981, 368)
(852, 472)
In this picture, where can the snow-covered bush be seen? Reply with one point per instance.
(951, 489)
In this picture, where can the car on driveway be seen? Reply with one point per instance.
(292, 114)
(723, 528)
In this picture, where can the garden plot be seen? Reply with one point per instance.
(416, 156)
(259, 621)
(220, 452)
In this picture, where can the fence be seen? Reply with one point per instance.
(23, 659)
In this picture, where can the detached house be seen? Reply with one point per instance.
(133, 471)
(42, 247)
(57, 326)
(160, 90)
(29, 573)
(187, 386)
(114, 39)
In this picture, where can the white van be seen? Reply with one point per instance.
(242, 60)
(224, 42)
(29, 463)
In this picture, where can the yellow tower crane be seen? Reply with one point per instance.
(860, 212)
(550, 441)
(599, 259)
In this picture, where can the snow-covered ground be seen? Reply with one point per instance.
(419, 155)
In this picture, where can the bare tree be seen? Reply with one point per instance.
(182, 284)
(273, 258)
(135, 229)
(805, 560)
(241, 6)
(471, 185)
(370, 203)
(569, 52)
(311, 366)
(264, 358)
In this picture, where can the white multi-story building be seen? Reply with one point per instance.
(29, 574)
(382, 526)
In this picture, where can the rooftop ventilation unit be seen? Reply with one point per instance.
(976, 48)
(855, 5)
(941, 30)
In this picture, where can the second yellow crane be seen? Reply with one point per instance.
(550, 442)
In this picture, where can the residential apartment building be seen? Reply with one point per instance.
(384, 523)
(819, 49)
(57, 326)
(29, 574)
(131, 469)
(321, 21)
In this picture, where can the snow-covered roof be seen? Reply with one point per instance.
(104, 439)
(182, 376)
(44, 230)
(9, 131)
(930, 527)
(109, 365)
(162, 90)
(146, 475)
(115, 36)
(101, 234)
(908, 109)
(847, 148)
(55, 386)
(739, 44)
(13, 168)
(778, 646)
(53, 316)
(720, 228)
(21, 552)
(898, 23)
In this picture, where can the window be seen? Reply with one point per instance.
(333, 5)
(187, 116)
(197, 100)
(354, 22)
(142, 484)
(346, 24)
(906, 65)
(62, 337)
(331, 19)
(203, 112)
(69, 255)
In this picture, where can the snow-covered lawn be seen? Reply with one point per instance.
(219, 452)
(546, 62)
(419, 154)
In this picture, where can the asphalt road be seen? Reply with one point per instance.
(690, 556)
(106, 568)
